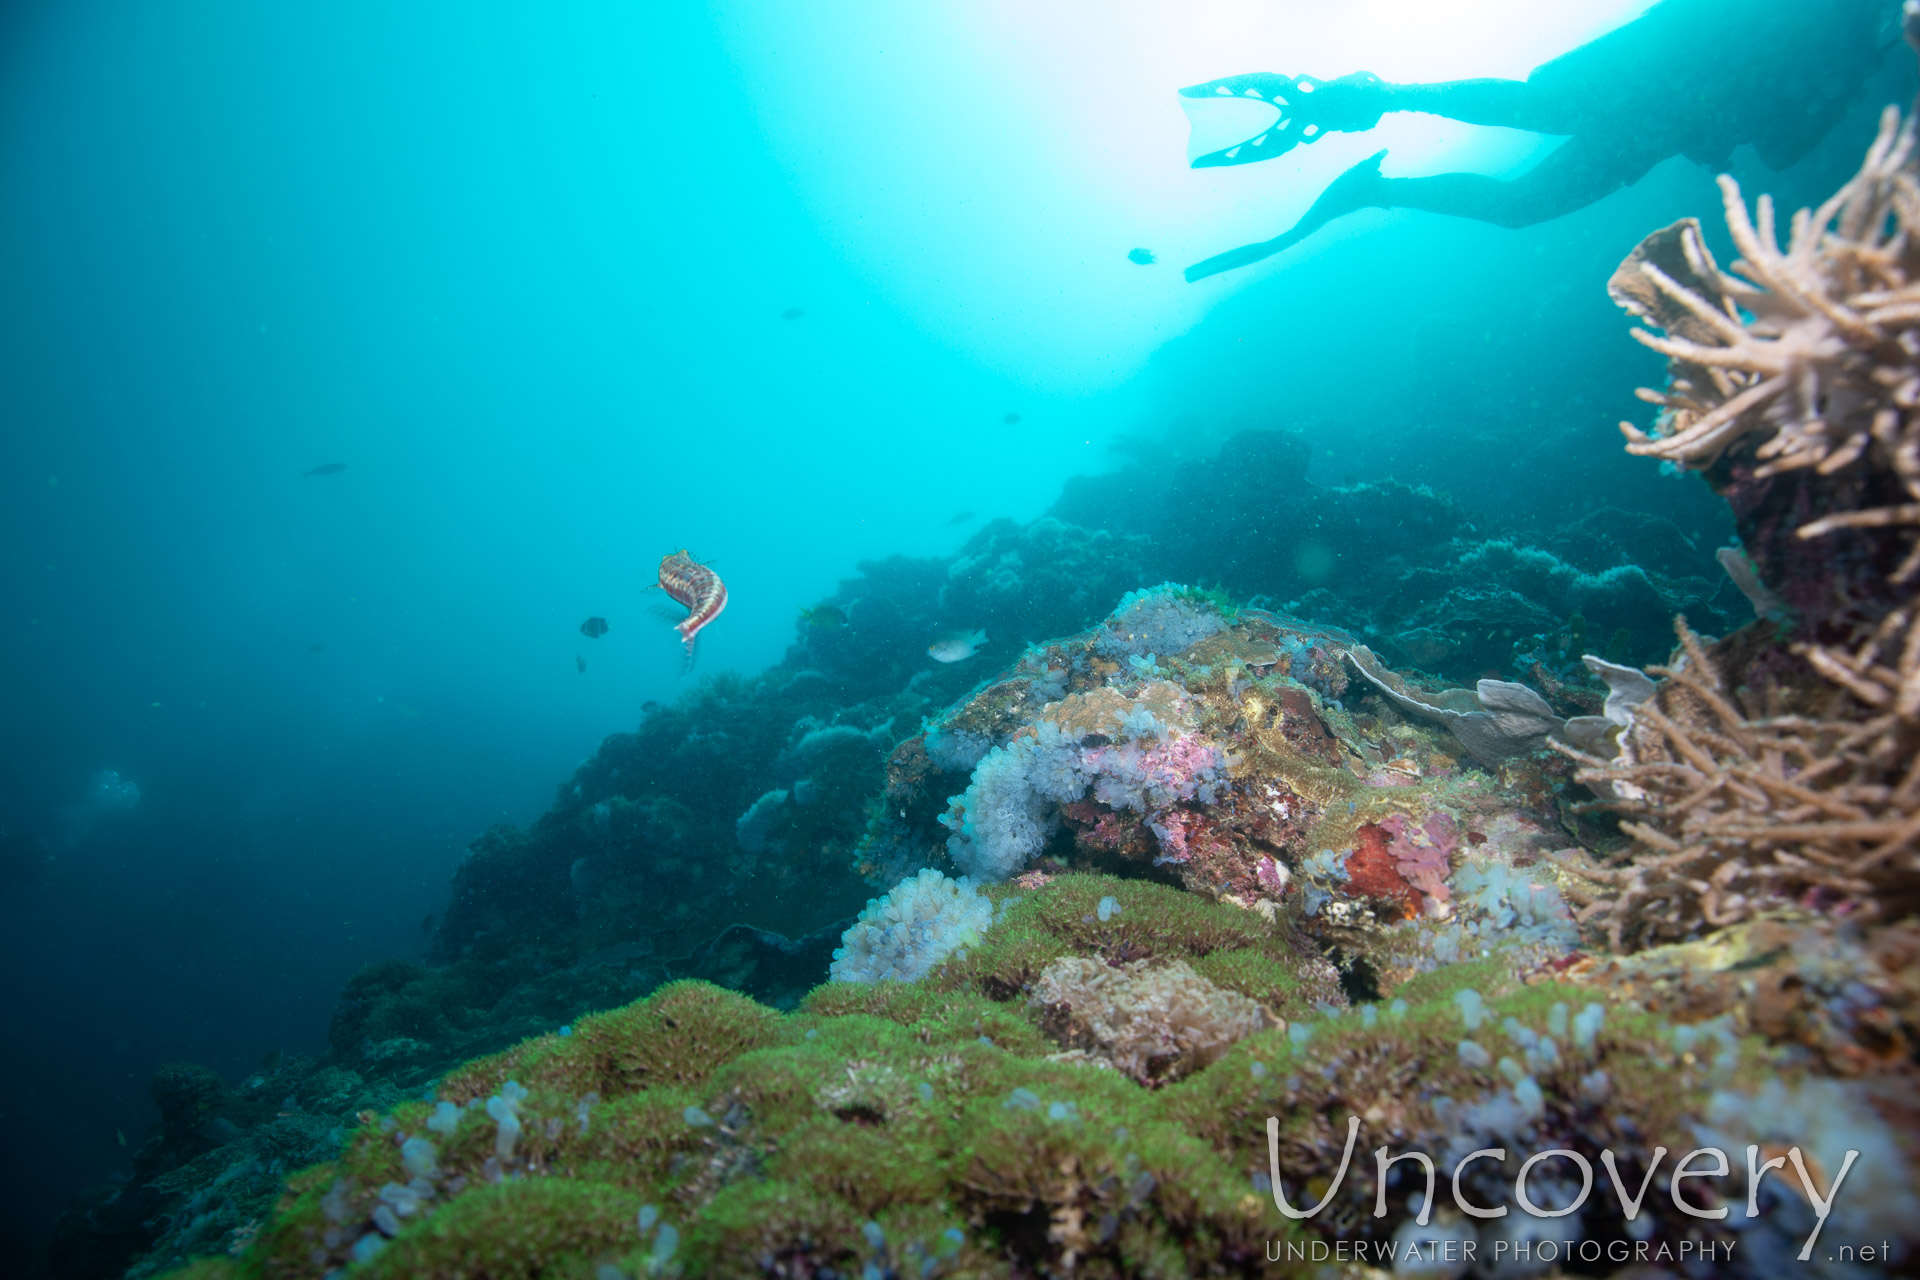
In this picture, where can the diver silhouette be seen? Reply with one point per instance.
(1688, 77)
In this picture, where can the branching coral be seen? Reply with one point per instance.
(1823, 357)
(1795, 384)
(1811, 362)
(1735, 811)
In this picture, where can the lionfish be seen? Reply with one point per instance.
(698, 588)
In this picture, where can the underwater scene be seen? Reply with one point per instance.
(967, 639)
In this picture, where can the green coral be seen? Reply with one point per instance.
(936, 1129)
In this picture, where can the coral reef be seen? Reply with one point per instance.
(1425, 578)
(1074, 1076)
(1252, 768)
(1229, 871)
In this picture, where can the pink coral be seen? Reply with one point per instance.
(1131, 776)
(1171, 827)
(1271, 875)
(1371, 870)
(1190, 837)
(1422, 853)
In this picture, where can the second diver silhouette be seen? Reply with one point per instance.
(1688, 77)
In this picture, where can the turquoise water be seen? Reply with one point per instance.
(565, 292)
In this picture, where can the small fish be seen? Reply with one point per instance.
(1010, 418)
(699, 588)
(793, 313)
(581, 663)
(593, 628)
(957, 647)
(326, 469)
(1142, 256)
(316, 648)
(824, 616)
(960, 518)
(119, 1138)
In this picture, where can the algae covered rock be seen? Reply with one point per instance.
(960, 1126)
(1153, 1022)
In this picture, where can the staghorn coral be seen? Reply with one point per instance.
(1810, 364)
(1794, 383)
(1823, 359)
(1736, 808)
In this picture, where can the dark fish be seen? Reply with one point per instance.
(326, 469)
(1011, 418)
(316, 648)
(593, 628)
(793, 313)
(581, 663)
(824, 616)
(960, 518)
(1142, 256)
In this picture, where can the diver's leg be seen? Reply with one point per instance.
(1356, 102)
(1357, 188)
(1307, 108)
(1510, 104)
(1579, 172)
